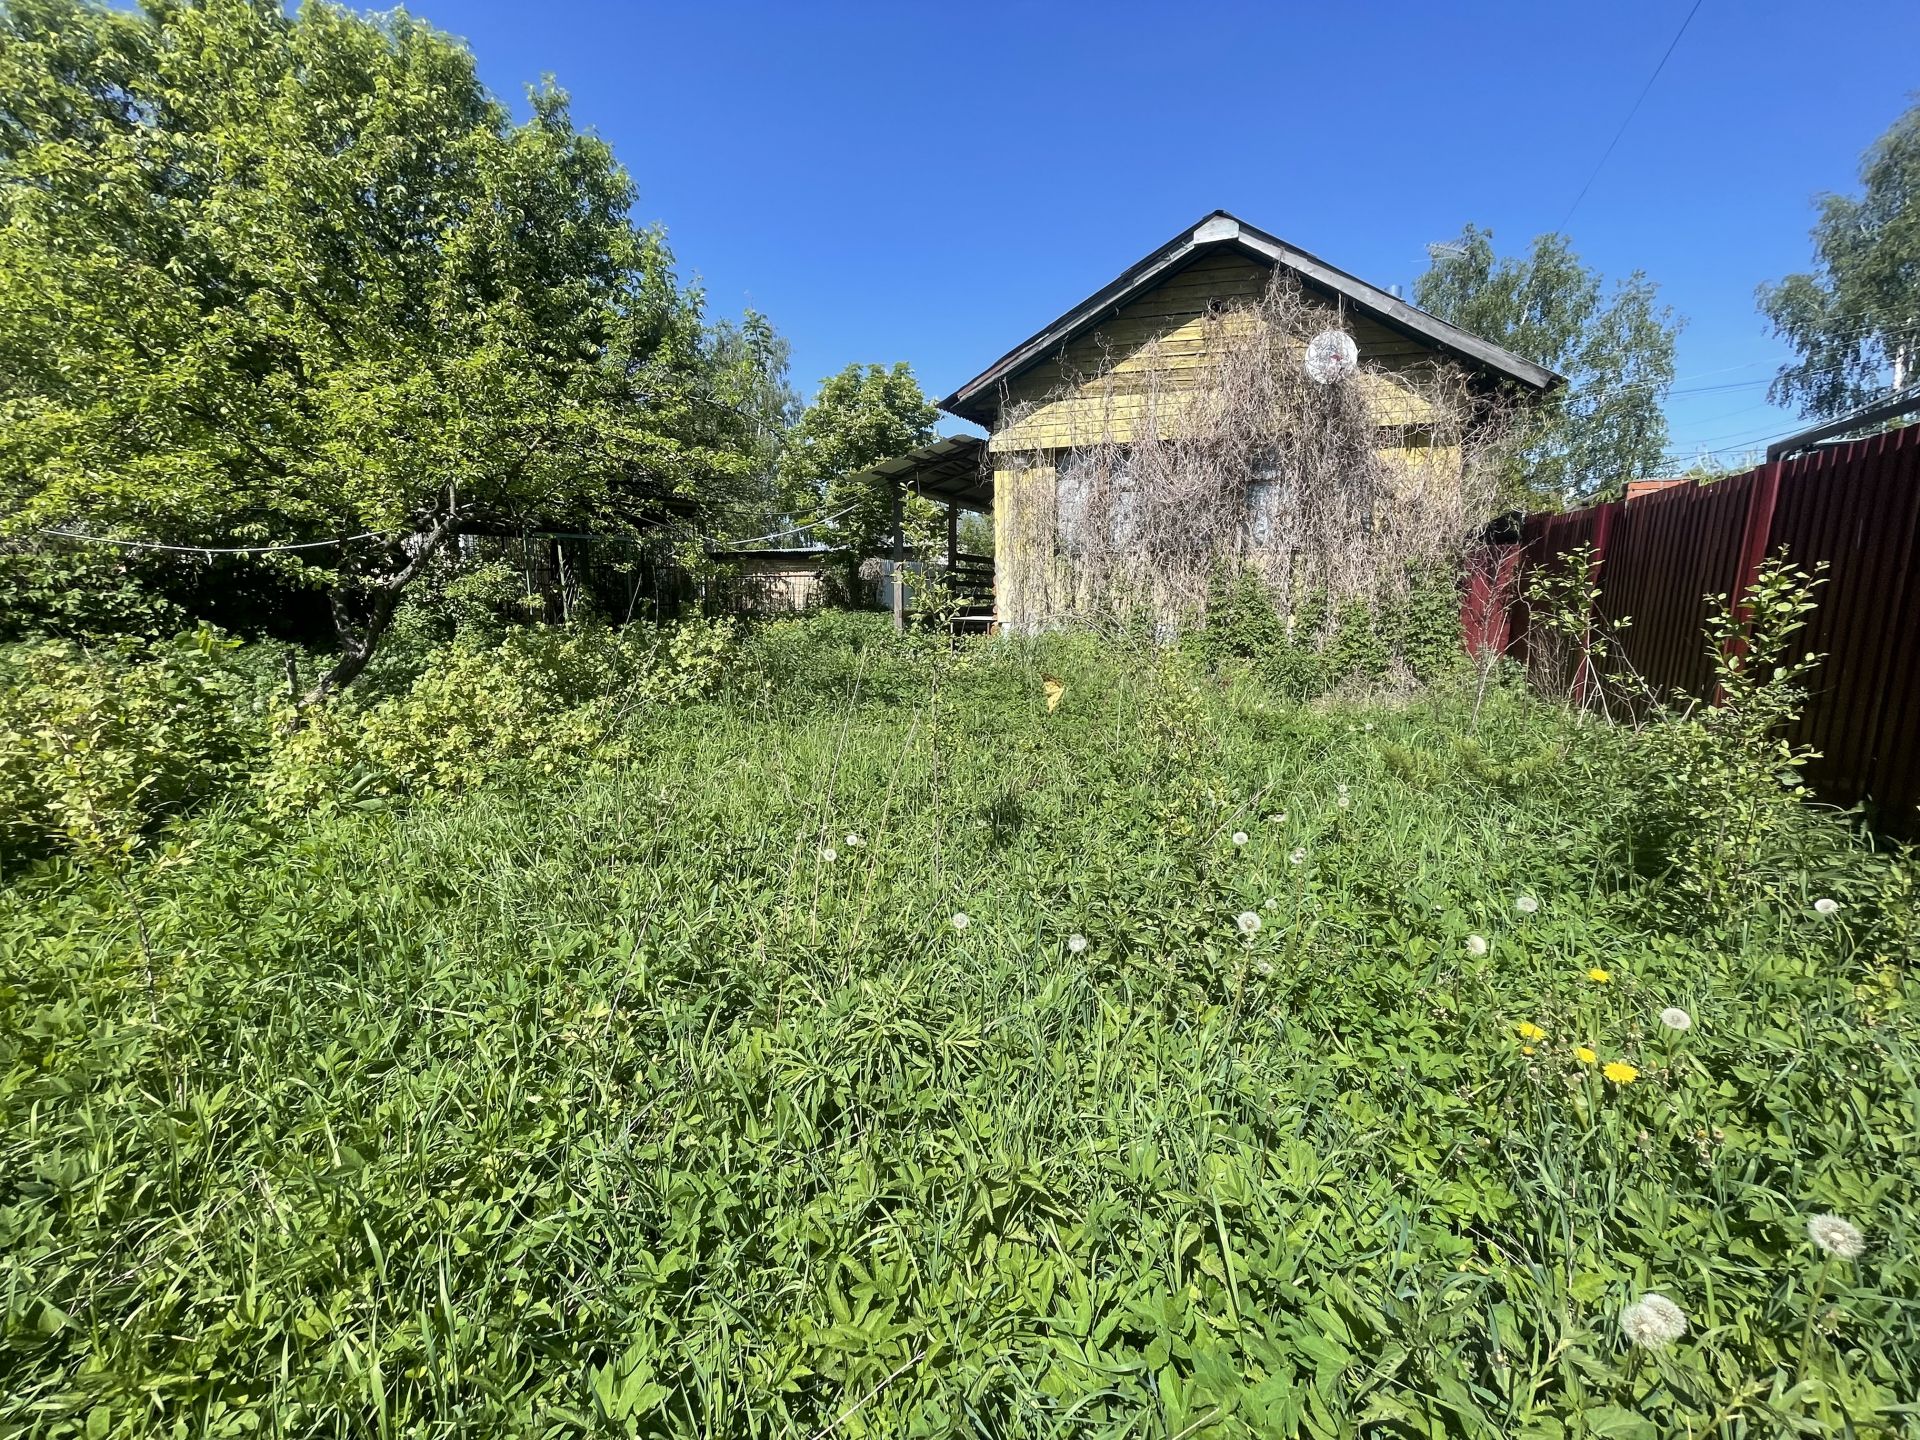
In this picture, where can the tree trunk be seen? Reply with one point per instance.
(363, 605)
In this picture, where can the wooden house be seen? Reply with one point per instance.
(1083, 380)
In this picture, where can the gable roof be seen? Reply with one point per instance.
(1219, 231)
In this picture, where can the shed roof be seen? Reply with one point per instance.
(950, 469)
(976, 400)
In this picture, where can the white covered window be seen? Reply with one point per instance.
(1094, 502)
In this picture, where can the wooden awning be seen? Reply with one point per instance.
(954, 470)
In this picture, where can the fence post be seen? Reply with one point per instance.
(1753, 552)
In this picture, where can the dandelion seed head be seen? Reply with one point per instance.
(1674, 1018)
(854, 840)
(1249, 922)
(1239, 837)
(1839, 1238)
(1653, 1322)
(1526, 905)
(1825, 906)
(960, 920)
(1299, 856)
(828, 854)
(1076, 943)
(1477, 946)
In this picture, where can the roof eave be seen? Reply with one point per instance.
(973, 400)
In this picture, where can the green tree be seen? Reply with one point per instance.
(1616, 350)
(1855, 320)
(298, 279)
(863, 415)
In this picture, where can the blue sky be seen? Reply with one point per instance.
(933, 184)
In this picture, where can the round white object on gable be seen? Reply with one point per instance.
(1331, 356)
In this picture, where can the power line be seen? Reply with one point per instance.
(1633, 112)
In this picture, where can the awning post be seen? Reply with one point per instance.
(899, 561)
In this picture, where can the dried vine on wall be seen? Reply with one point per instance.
(1131, 491)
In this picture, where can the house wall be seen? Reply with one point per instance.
(1131, 368)
(1130, 377)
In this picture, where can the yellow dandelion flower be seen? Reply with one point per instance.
(1599, 976)
(1585, 1055)
(1527, 1030)
(1619, 1072)
(1526, 1049)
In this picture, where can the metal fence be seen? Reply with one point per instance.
(1663, 561)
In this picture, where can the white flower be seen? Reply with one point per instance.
(1526, 905)
(1239, 837)
(854, 841)
(827, 854)
(960, 921)
(1653, 1322)
(1076, 943)
(1825, 906)
(1249, 923)
(1837, 1237)
(1299, 856)
(1674, 1018)
(1477, 946)
(1342, 799)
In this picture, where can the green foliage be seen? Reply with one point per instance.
(276, 275)
(96, 744)
(1855, 319)
(863, 415)
(531, 707)
(1417, 633)
(1727, 775)
(617, 1105)
(1608, 424)
(81, 595)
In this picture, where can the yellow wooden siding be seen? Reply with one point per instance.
(1164, 337)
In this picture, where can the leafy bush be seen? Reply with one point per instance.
(1418, 633)
(96, 744)
(536, 703)
(1724, 789)
(67, 593)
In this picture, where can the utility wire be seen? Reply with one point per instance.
(1631, 113)
(215, 549)
(373, 535)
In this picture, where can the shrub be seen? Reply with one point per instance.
(537, 702)
(1723, 787)
(1418, 633)
(96, 744)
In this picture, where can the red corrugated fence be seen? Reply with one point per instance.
(1855, 507)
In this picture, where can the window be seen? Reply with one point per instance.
(1094, 504)
(1266, 498)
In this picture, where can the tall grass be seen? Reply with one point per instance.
(619, 1105)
